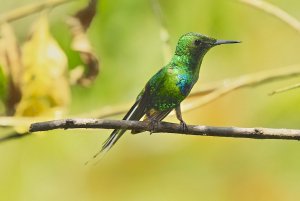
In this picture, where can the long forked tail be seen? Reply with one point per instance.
(136, 112)
(111, 140)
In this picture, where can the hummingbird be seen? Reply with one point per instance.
(166, 89)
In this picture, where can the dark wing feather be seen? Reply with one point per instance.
(137, 111)
(159, 115)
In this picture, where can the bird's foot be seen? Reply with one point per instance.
(153, 126)
(183, 126)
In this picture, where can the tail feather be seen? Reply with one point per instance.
(136, 112)
(112, 139)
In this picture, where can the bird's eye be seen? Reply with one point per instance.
(197, 42)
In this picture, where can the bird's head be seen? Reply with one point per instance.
(197, 44)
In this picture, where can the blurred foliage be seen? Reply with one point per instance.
(125, 33)
(43, 84)
(37, 83)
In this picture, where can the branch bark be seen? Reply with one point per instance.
(164, 127)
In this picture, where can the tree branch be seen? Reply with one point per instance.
(164, 127)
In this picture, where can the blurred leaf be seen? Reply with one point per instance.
(11, 66)
(79, 23)
(44, 85)
(86, 15)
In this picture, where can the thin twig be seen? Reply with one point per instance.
(295, 86)
(250, 80)
(164, 127)
(275, 11)
(283, 16)
(13, 136)
(30, 9)
(164, 34)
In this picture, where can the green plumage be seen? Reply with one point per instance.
(170, 85)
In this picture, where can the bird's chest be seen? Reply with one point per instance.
(184, 83)
(173, 89)
(178, 83)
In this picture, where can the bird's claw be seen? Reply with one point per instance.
(183, 126)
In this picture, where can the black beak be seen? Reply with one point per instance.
(220, 42)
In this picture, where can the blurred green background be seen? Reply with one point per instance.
(125, 34)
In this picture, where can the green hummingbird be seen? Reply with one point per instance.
(170, 85)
